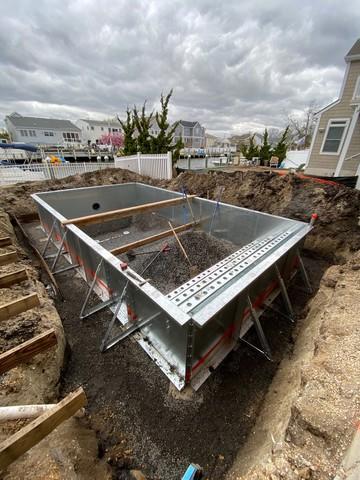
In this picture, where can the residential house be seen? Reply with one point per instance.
(210, 140)
(244, 139)
(335, 148)
(42, 131)
(93, 130)
(191, 133)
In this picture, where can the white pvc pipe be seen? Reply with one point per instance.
(27, 411)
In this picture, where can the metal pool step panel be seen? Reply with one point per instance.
(197, 290)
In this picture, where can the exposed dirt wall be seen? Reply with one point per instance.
(312, 409)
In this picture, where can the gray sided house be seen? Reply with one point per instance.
(42, 131)
(93, 130)
(335, 149)
(192, 134)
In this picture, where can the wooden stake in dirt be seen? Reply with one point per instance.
(12, 278)
(18, 306)
(5, 241)
(7, 258)
(26, 350)
(152, 239)
(31, 434)
(193, 268)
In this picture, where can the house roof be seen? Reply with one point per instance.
(354, 52)
(185, 123)
(36, 122)
(244, 136)
(101, 123)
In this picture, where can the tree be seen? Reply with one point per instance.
(163, 142)
(265, 151)
(250, 151)
(302, 126)
(282, 146)
(128, 128)
(115, 139)
(142, 124)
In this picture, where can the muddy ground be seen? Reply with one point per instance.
(139, 425)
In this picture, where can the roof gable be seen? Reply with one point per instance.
(354, 52)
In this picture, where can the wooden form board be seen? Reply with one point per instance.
(19, 305)
(6, 258)
(9, 279)
(126, 212)
(153, 238)
(26, 350)
(5, 241)
(31, 434)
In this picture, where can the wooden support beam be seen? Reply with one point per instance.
(126, 212)
(26, 350)
(21, 441)
(153, 238)
(19, 305)
(5, 241)
(7, 258)
(9, 279)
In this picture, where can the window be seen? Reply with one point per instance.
(334, 136)
(92, 128)
(102, 129)
(356, 95)
(23, 133)
(115, 130)
(32, 133)
(49, 134)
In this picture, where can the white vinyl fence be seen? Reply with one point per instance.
(45, 171)
(154, 166)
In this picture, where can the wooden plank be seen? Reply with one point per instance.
(19, 305)
(7, 258)
(5, 241)
(9, 279)
(153, 238)
(126, 212)
(21, 441)
(26, 350)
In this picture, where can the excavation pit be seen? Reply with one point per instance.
(186, 324)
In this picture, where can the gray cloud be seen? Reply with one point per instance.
(233, 65)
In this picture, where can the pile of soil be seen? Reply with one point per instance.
(170, 270)
(336, 231)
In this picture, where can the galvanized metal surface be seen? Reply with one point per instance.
(197, 324)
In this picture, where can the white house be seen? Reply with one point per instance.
(42, 131)
(191, 133)
(93, 130)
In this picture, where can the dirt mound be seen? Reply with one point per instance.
(167, 272)
(337, 206)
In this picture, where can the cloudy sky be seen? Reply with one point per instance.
(234, 65)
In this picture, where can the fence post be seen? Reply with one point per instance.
(139, 162)
(169, 165)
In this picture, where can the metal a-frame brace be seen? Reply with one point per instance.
(118, 301)
(60, 251)
(266, 351)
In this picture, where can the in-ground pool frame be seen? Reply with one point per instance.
(191, 330)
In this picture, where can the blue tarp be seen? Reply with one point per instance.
(19, 146)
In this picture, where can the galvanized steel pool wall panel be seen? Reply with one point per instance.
(217, 315)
